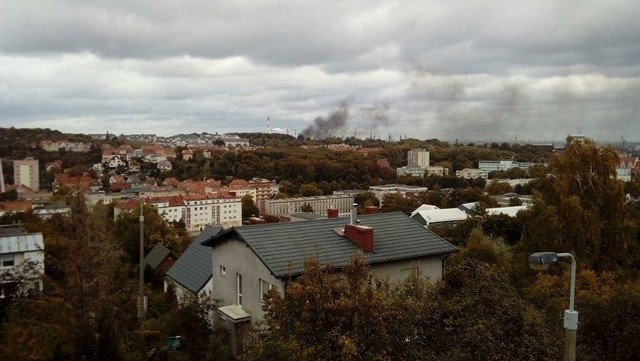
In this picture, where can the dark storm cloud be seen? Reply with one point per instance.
(452, 69)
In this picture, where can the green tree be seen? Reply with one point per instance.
(310, 190)
(156, 230)
(249, 208)
(287, 188)
(366, 199)
(306, 207)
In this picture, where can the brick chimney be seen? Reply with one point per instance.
(370, 210)
(361, 236)
(332, 213)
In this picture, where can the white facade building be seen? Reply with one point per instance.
(205, 209)
(404, 190)
(27, 173)
(472, 173)
(418, 158)
(22, 252)
(497, 165)
(412, 171)
(319, 204)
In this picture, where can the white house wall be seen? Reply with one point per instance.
(430, 267)
(238, 258)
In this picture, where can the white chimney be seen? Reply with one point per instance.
(354, 213)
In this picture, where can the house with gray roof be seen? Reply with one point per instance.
(191, 273)
(21, 255)
(247, 261)
(158, 256)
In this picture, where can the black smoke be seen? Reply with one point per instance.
(327, 127)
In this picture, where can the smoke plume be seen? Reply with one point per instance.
(378, 114)
(323, 128)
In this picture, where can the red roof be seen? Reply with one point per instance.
(238, 183)
(15, 206)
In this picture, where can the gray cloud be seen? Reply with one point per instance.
(462, 69)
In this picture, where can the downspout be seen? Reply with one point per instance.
(444, 262)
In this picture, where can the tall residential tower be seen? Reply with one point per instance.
(418, 158)
(25, 172)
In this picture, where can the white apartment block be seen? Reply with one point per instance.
(412, 171)
(205, 209)
(472, 173)
(437, 170)
(418, 158)
(404, 190)
(496, 165)
(172, 209)
(26, 172)
(320, 204)
(195, 210)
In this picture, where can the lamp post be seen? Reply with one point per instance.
(541, 261)
(141, 284)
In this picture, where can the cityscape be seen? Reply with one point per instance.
(229, 221)
(311, 180)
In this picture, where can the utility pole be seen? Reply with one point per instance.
(141, 295)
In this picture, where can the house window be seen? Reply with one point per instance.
(7, 260)
(406, 273)
(264, 288)
(223, 270)
(239, 288)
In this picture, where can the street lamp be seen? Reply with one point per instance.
(140, 266)
(541, 261)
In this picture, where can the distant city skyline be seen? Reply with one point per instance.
(462, 70)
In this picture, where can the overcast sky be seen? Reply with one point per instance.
(472, 70)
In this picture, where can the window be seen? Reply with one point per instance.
(405, 273)
(264, 288)
(7, 260)
(239, 288)
(223, 270)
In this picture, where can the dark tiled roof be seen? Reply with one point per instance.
(193, 269)
(418, 218)
(283, 247)
(157, 254)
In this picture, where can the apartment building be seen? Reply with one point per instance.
(472, 173)
(319, 204)
(26, 172)
(418, 158)
(404, 190)
(496, 165)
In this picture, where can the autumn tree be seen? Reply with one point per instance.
(475, 314)
(393, 202)
(581, 208)
(497, 188)
(325, 317)
(88, 311)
